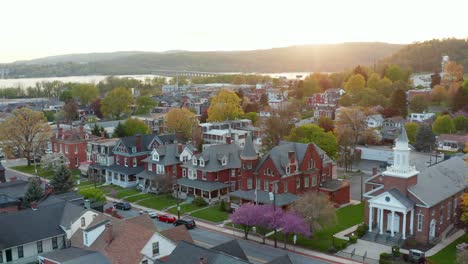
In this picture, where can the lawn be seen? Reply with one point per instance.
(212, 214)
(185, 208)
(448, 255)
(127, 192)
(30, 170)
(108, 189)
(139, 197)
(323, 240)
(159, 202)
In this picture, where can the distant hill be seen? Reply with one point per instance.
(325, 58)
(427, 55)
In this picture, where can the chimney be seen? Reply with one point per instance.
(81, 131)
(179, 148)
(87, 204)
(374, 171)
(203, 260)
(138, 142)
(109, 233)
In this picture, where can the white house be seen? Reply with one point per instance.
(420, 117)
(375, 121)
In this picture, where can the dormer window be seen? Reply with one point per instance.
(134, 149)
(194, 161)
(202, 162)
(224, 161)
(155, 156)
(288, 170)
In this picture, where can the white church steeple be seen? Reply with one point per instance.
(401, 154)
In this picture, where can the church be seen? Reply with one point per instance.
(405, 202)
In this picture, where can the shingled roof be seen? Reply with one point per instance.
(213, 156)
(249, 149)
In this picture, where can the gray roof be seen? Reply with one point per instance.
(213, 155)
(106, 124)
(14, 189)
(203, 185)
(146, 140)
(168, 155)
(75, 255)
(440, 181)
(263, 197)
(231, 248)
(281, 260)
(125, 170)
(190, 253)
(29, 225)
(279, 155)
(405, 200)
(249, 150)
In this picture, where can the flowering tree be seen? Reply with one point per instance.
(246, 216)
(54, 161)
(291, 223)
(267, 219)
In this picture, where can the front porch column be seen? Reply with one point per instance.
(381, 221)
(404, 225)
(411, 221)
(371, 210)
(126, 178)
(219, 193)
(209, 195)
(392, 230)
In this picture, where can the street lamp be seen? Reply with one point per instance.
(273, 198)
(177, 197)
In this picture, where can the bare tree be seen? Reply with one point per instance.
(316, 209)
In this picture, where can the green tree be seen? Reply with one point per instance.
(395, 73)
(133, 126)
(461, 123)
(412, 130)
(326, 123)
(311, 133)
(85, 92)
(418, 104)
(225, 106)
(96, 130)
(425, 139)
(93, 194)
(117, 103)
(384, 87)
(181, 120)
(119, 131)
(144, 104)
(63, 180)
(443, 125)
(34, 192)
(373, 81)
(252, 116)
(355, 83)
(398, 102)
(346, 100)
(65, 96)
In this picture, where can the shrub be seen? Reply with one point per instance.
(199, 201)
(362, 229)
(384, 258)
(353, 239)
(396, 251)
(332, 250)
(222, 206)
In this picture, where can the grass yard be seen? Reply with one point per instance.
(127, 192)
(212, 214)
(159, 202)
(323, 240)
(185, 208)
(108, 189)
(448, 255)
(139, 197)
(30, 170)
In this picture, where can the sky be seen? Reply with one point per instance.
(33, 29)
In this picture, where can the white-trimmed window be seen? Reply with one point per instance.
(441, 215)
(117, 160)
(155, 156)
(66, 149)
(455, 201)
(135, 163)
(257, 185)
(420, 221)
(449, 207)
(159, 169)
(134, 149)
(83, 222)
(125, 162)
(184, 173)
(202, 162)
(314, 181)
(306, 182)
(194, 161)
(150, 167)
(285, 187)
(249, 184)
(224, 161)
(298, 183)
(311, 163)
(266, 185)
(76, 149)
(203, 175)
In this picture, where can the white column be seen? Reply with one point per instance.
(411, 222)
(381, 221)
(371, 210)
(392, 230)
(404, 225)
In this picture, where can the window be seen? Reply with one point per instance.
(184, 173)
(54, 243)
(202, 162)
(185, 158)
(288, 169)
(441, 214)
(285, 187)
(420, 221)
(76, 149)
(265, 186)
(83, 222)
(224, 161)
(135, 163)
(298, 183)
(314, 181)
(150, 167)
(39, 246)
(66, 149)
(117, 160)
(126, 162)
(306, 182)
(155, 248)
(311, 163)
(449, 207)
(155, 156)
(203, 175)
(249, 184)
(194, 161)
(268, 171)
(77, 162)
(257, 185)
(159, 169)
(86, 238)
(455, 206)
(233, 173)
(134, 149)
(20, 252)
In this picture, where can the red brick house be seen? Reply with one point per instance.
(405, 202)
(72, 143)
(292, 168)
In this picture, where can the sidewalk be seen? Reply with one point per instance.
(442, 244)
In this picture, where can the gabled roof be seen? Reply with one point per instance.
(177, 234)
(14, 189)
(75, 255)
(168, 155)
(213, 156)
(25, 226)
(147, 140)
(231, 248)
(281, 260)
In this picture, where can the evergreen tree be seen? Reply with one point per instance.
(399, 102)
(119, 131)
(62, 180)
(34, 191)
(425, 139)
(95, 131)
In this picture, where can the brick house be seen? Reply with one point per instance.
(72, 143)
(405, 202)
(99, 155)
(292, 168)
(129, 153)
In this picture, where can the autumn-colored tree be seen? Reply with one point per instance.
(443, 125)
(25, 130)
(70, 111)
(133, 126)
(350, 126)
(225, 106)
(117, 103)
(144, 104)
(398, 102)
(96, 107)
(435, 79)
(181, 120)
(326, 123)
(85, 92)
(316, 209)
(453, 73)
(354, 84)
(345, 100)
(411, 130)
(311, 133)
(252, 116)
(438, 94)
(384, 87)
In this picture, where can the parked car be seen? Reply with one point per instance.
(123, 206)
(415, 255)
(189, 224)
(166, 218)
(152, 214)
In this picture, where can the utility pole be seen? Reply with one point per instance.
(273, 198)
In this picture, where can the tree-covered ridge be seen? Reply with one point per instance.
(328, 58)
(426, 56)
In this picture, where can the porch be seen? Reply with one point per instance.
(122, 176)
(209, 191)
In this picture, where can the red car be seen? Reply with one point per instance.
(166, 218)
